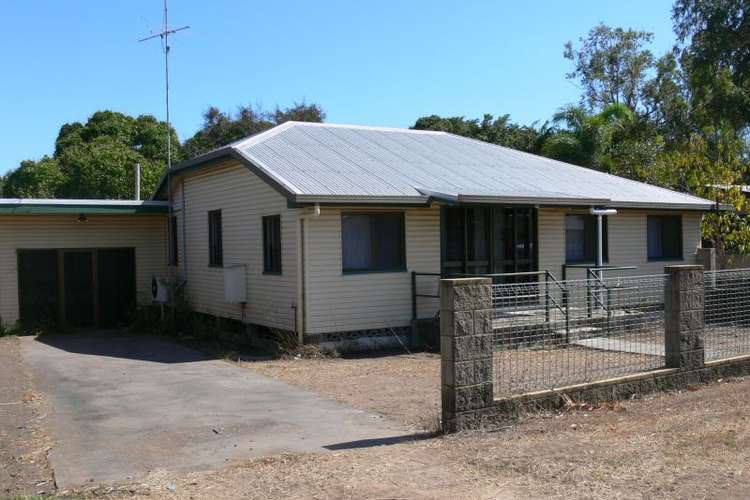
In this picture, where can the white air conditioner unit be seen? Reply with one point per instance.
(160, 289)
(234, 284)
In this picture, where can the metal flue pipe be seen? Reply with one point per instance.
(137, 182)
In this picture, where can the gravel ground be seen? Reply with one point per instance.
(23, 444)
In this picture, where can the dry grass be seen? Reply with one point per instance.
(23, 444)
(403, 387)
(529, 369)
(694, 444)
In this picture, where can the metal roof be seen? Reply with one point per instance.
(329, 163)
(37, 206)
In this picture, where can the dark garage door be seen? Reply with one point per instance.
(116, 276)
(38, 287)
(83, 288)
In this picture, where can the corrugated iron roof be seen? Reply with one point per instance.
(314, 162)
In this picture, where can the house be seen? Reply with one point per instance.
(324, 223)
(315, 229)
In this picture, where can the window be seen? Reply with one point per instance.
(372, 242)
(173, 254)
(215, 249)
(581, 238)
(272, 244)
(664, 237)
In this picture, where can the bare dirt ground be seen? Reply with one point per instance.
(404, 387)
(23, 444)
(694, 444)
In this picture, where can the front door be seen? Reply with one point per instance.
(79, 287)
(488, 240)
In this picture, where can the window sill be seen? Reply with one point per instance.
(584, 262)
(272, 273)
(666, 259)
(374, 271)
(216, 266)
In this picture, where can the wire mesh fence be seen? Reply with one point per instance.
(550, 333)
(727, 313)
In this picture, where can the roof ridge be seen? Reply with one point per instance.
(367, 127)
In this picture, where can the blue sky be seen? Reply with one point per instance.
(366, 62)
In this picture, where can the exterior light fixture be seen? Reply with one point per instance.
(82, 218)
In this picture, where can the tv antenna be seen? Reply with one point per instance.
(163, 35)
(166, 30)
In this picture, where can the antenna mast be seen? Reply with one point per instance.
(164, 36)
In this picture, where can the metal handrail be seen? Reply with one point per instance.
(415, 295)
(593, 274)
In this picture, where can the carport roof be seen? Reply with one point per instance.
(33, 206)
(352, 164)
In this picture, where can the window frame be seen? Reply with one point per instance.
(268, 252)
(173, 250)
(402, 267)
(215, 242)
(681, 248)
(605, 238)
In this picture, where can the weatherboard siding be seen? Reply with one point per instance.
(243, 199)
(339, 302)
(627, 241)
(145, 233)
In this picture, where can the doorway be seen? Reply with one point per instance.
(488, 240)
(79, 288)
(83, 288)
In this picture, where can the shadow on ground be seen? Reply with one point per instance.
(116, 344)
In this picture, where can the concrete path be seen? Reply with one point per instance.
(121, 406)
(621, 345)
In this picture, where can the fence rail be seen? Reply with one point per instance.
(727, 313)
(551, 333)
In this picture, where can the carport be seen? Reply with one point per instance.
(85, 263)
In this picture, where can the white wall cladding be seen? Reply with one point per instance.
(243, 199)
(344, 302)
(146, 233)
(627, 241)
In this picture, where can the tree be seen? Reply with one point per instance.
(500, 130)
(611, 141)
(34, 179)
(715, 50)
(712, 165)
(612, 66)
(97, 159)
(220, 129)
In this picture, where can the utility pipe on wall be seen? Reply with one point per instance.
(600, 212)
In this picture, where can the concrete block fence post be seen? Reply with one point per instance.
(684, 317)
(466, 350)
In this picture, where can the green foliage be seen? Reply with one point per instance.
(97, 160)
(498, 130)
(611, 65)
(34, 179)
(715, 50)
(221, 128)
(712, 165)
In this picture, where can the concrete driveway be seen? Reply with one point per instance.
(120, 406)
